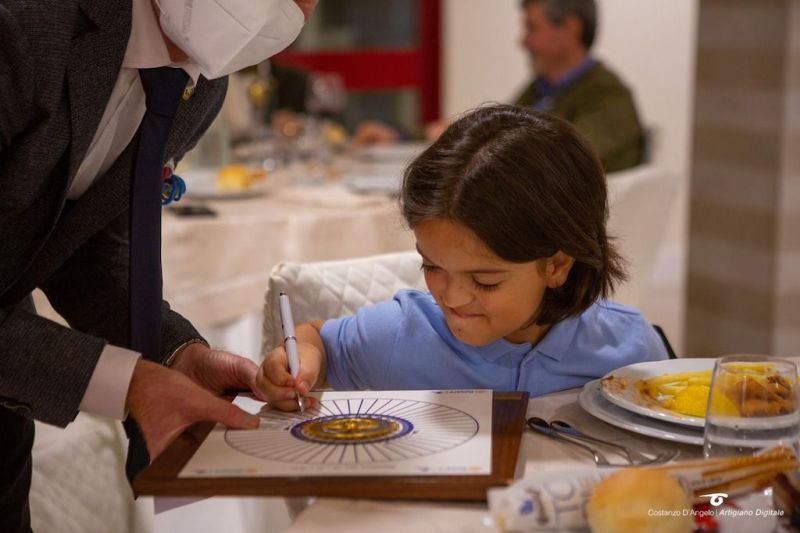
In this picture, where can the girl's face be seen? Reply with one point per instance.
(484, 298)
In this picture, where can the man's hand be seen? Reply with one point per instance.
(372, 132)
(165, 402)
(216, 370)
(307, 7)
(434, 130)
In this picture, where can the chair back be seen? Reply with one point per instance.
(330, 289)
(642, 203)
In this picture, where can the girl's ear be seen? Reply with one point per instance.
(558, 267)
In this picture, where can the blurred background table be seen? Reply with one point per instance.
(216, 267)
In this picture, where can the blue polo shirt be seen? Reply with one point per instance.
(404, 343)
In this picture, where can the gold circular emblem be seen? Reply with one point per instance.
(350, 428)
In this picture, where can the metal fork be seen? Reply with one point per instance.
(540, 425)
(634, 457)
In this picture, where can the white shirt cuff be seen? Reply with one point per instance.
(108, 387)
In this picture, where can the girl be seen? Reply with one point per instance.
(508, 208)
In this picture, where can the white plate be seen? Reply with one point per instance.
(381, 185)
(593, 402)
(201, 183)
(630, 399)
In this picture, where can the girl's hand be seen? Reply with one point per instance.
(276, 383)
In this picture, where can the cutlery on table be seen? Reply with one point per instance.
(634, 457)
(540, 425)
(562, 431)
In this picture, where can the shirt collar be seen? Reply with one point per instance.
(558, 340)
(554, 344)
(546, 88)
(146, 46)
(500, 348)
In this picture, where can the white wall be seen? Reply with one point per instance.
(651, 45)
(481, 60)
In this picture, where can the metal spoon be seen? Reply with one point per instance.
(634, 457)
(541, 426)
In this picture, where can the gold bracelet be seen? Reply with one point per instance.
(169, 360)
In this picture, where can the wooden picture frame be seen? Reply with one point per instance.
(508, 423)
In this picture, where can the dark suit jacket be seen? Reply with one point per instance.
(601, 107)
(59, 60)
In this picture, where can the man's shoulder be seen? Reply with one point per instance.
(601, 77)
(527, 96)
(42, 16)
(41, 32)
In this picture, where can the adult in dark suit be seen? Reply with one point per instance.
(61, 67)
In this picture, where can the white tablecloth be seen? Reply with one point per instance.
(216, 268)
(537, 453)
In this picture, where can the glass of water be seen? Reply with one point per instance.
(752, 406)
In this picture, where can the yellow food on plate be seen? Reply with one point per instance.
(640, 499)
(692, 400)
(684, 392)
(335, 135)
(236, 178)
(750, 389)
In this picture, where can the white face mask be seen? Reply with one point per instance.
(223, 36)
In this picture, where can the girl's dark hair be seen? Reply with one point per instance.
(528, 185)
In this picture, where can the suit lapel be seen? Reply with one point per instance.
(108, 197)
(90, 82)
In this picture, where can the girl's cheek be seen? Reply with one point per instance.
(434, 282)
(489, 302)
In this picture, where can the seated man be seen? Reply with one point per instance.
(573, 85)
(569, 82)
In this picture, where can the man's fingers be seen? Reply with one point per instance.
(227, 414)
(245, 373)
(158, 444)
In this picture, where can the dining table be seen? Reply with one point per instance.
(216, 267)
(539, 456)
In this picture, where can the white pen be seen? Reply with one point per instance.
(290, 341)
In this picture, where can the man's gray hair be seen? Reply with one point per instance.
(585, 10)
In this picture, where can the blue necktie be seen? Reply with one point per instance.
(163, 87)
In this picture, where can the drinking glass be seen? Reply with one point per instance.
(752, 406)
(326, 95)
(312, 154)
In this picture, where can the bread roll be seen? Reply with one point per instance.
(640, 499)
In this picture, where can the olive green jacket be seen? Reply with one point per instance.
(601, 107)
